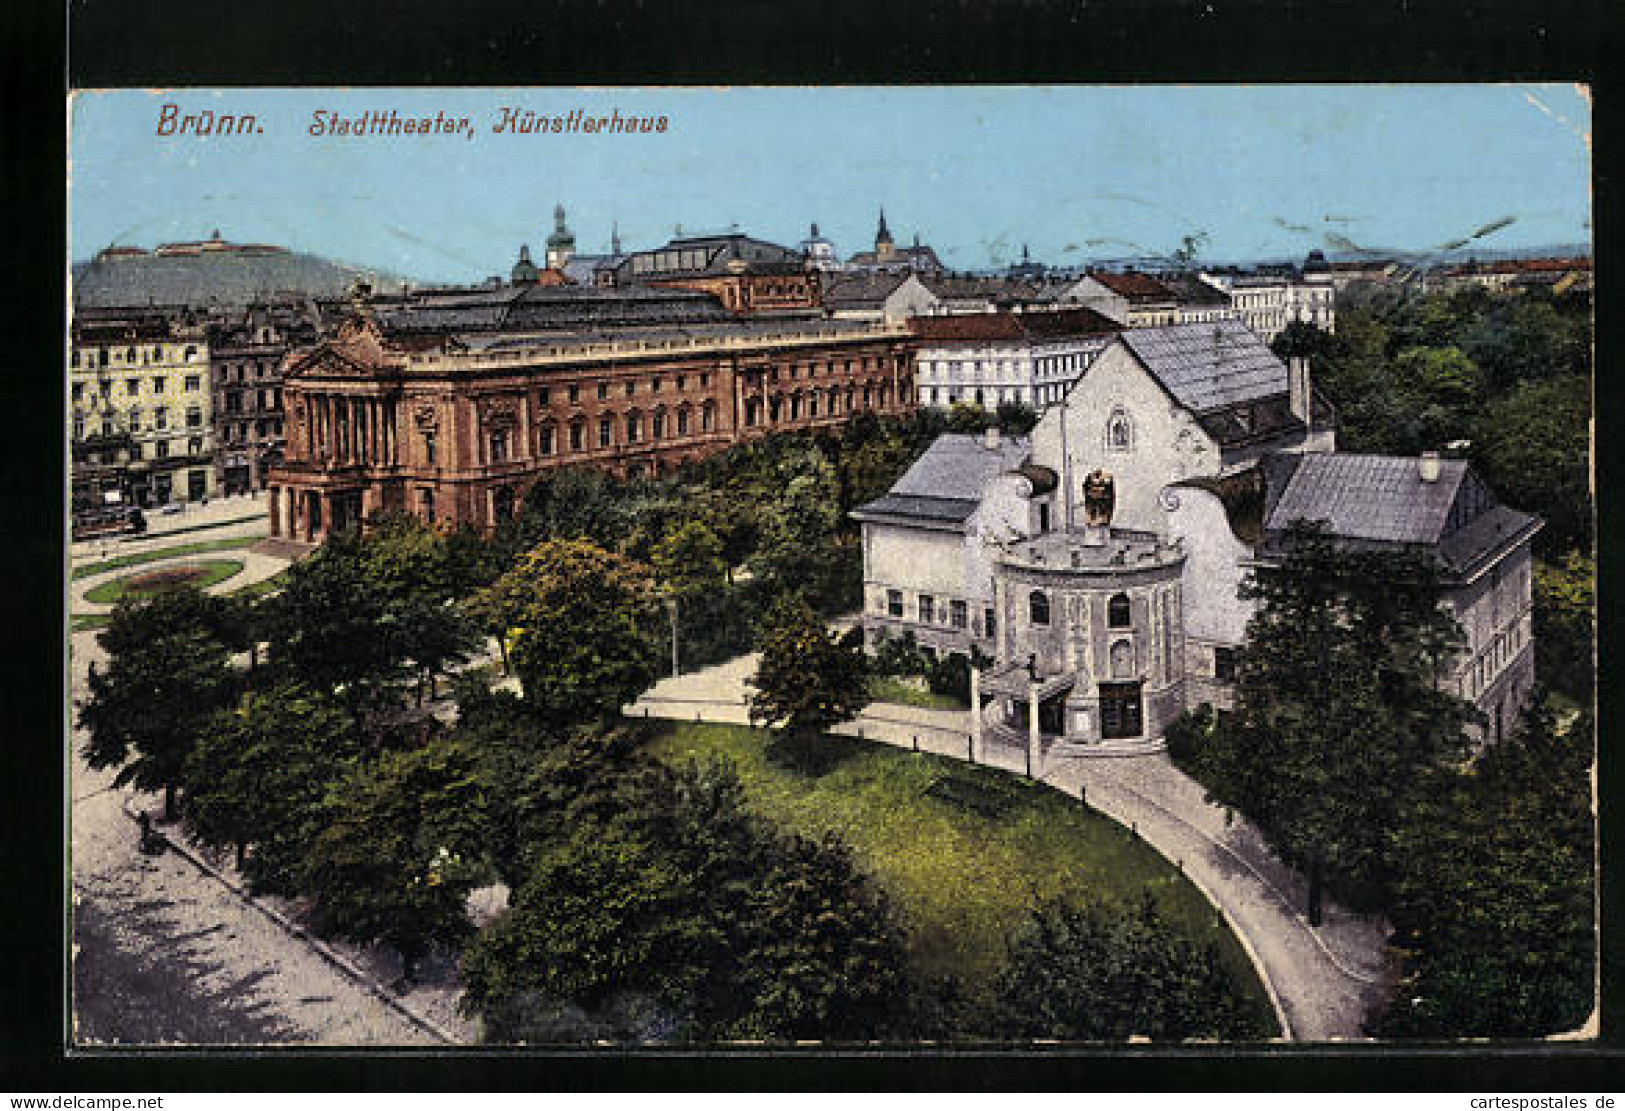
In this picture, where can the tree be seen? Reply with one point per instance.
(167, 671)
(585, 624)
(399, 847)
(1016, 418)
(258, 775)
(808, 679)
(595, 944)
(1338, 717)
(689, 558)
(1565, 625)
(1533, 446)
(1080, 975)
(1494, 911)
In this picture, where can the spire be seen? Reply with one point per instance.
(1024, 257)
(615, 238)
(558, 217)
(883, 234)
(814, 234)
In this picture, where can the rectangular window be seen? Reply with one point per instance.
(633, 428)
(681, 382)
(194, 418)
(705, 380)
(894, 603)
(430, 453)
(545, 440)
(630, 387)
(499, 447)
(603, 390)
(682, 422)
(160, 419)
(576, 437)
(159, 384)
(192, 383)
(78, 391)
(990, 625)
(657, 425)
(1224, 664)
(542, 396)
(928, 609)
(654, 385)
(575, 394)
(958, 615)
(427, 498)
(107, 389)
(161, 449)
(606, 431)
(132, 387)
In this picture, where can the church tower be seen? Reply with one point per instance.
(561, 245)
(885, 249)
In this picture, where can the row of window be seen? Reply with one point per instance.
(267, 399)
(135, 452)
(1495, 656)
(229, 373)
(237, 431)
(955, 614)
(129, 356)
(192, 383)
(544, 395)
(1119, 611)
(862, 365)
(132, 422)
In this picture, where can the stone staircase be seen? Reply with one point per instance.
(997, 732)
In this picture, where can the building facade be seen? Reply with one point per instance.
(141, 410)
(453, 427)
(1099, 565)
(989, 359)
(245, 373)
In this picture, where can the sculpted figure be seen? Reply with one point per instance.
(1099, 498)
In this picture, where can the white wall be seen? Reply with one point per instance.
(1167, 443)
(1213, 571)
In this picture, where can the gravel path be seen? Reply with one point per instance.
(1324, 980)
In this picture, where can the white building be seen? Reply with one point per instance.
(988, 359)
(1100, 569)
(1268, 302)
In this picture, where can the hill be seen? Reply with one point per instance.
(126, 278)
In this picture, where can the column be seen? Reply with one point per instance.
(1032, 726)
(976, 713)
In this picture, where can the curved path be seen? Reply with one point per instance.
(256, 568)
(1323, 980)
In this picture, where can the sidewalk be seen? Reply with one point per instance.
(239, 515)
(1324, 980)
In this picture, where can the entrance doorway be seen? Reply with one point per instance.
(1120, 710)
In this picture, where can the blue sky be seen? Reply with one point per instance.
(1075, 172)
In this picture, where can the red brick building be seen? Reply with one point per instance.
(453, 427)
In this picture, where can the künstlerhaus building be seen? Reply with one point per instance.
(448, 406)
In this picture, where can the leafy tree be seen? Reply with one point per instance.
(258, 776)
(602, 930)
(1533, 446)
(1080, 975)
(966, 418)
(808, 679)
(586, 628)
(167, 671)
(690, 558)
(1300, 338)
(1335, 692)
(1495, 908)
(798, 526)
(1565, 624)
(1016, 418)
(400, 846)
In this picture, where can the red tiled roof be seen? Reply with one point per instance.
(982, 326)
(1134, 286)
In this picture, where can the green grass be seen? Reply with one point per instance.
(135, 558)
(83, 622)
(262, 588)
(965, 852)
(215, 571)
(885, 688)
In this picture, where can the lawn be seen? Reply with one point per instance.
(964, 851)
(210, 572)
(884, 688)
(135, 558)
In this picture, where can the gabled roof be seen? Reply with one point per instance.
(946, 484)
(1134, 286)
(1188, 289)
(850, 290)
(1209, 366)
(1370, 497)
(1381, 499)
(1030, 327)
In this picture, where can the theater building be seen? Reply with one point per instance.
(453, 422)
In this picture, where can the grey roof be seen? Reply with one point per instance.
(1209, 366)
(226, 277)
(1370, 497)
(946, 484)
(862, 289)
(1381, 499)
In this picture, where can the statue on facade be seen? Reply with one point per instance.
(1099, 498)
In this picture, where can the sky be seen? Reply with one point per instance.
(1074, 172)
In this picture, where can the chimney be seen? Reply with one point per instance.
(1428, 466)
(990, 438)
(1299, 398)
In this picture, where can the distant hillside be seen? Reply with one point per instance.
(235, 277)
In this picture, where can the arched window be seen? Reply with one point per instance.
(1119, 431)
(1038, 608)
(1122, 660)
(1118, 614)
